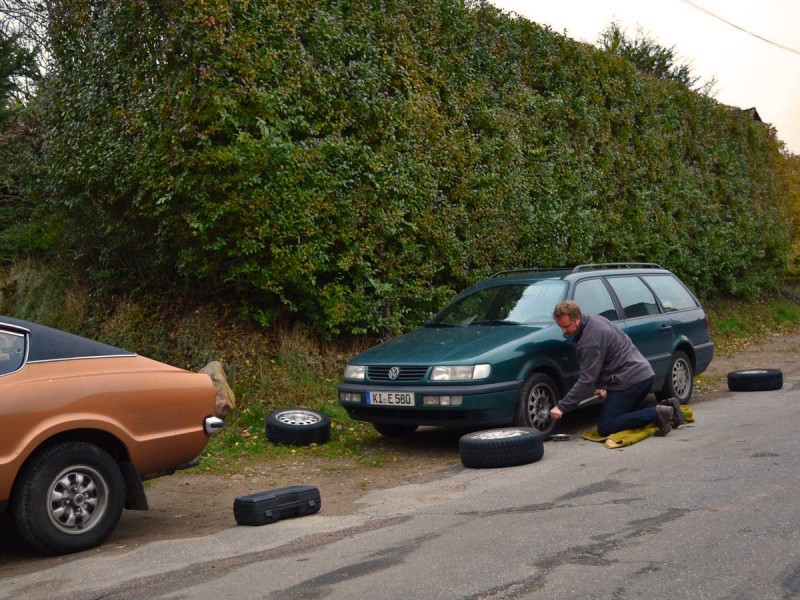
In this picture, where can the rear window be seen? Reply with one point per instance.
(12, 351)
(671, 292)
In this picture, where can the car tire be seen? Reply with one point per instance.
(297, 426)
(496, 448)
(680, 379)
(537, 396)
(396, 432)
(755, 380)
(68, 498)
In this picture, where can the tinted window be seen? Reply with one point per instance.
(593, 298)
(671, 292)
(12, 352)
(511, 303)
(637, 300)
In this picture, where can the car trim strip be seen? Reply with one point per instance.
(49, 360)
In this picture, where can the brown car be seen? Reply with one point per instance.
(83, 424)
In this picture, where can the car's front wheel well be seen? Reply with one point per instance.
(553, 374)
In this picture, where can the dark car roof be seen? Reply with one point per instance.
(47, 343)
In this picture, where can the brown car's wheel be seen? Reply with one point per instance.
(68, 498)
(538, 395)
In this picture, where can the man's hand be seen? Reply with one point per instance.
(602, 394)
(556, 413)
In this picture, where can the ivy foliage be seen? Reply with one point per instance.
(353, 163)
(18, 72)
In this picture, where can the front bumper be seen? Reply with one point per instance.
(486, 404)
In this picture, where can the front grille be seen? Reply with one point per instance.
(381, 373)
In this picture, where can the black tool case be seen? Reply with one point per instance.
(269, 506)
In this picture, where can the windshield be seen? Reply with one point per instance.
(507, 304)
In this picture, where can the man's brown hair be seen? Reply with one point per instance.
(569, 308)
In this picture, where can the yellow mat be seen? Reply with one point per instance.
(629, 437)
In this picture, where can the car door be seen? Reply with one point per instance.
(594, 298)
(684, 313)
(644, 322)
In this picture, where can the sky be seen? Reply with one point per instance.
(751, 47)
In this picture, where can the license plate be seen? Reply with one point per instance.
(401, 399)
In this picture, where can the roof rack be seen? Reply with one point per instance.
(533, 270)
(619, 265)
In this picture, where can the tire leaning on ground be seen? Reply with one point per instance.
(68, 498)
(505, 447)
(297, 426)
(755, 380)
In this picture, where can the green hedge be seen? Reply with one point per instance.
(354, 163)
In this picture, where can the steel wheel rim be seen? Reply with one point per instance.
(77, 499)
(298, 417)
(540, 399)
(680, 379)
(499, 434)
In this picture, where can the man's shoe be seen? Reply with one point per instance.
(663, 417)
(677, 414)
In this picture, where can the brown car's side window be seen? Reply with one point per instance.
(12, 351)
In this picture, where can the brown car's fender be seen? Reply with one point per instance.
(156, 411)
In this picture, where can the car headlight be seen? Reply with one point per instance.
(355, 372)
(460, 373)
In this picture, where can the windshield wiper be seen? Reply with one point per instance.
(495, 322)
(440, 324)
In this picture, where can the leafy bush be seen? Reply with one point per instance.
(352, 164)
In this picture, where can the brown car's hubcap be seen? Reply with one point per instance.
(77, 500)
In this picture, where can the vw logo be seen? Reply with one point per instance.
(394, 373)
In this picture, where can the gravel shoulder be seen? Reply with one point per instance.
(198, 504)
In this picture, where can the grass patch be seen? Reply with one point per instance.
(736, 325)
(786, 314)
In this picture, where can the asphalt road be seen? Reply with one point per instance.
(709, 511)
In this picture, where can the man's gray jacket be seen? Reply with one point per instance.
(608, 360)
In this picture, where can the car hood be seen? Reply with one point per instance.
(439, 345)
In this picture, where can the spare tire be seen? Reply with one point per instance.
(507, 447)
(755, 380)
(298, 426)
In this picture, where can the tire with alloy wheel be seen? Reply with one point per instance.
(506, 447)
(68, 498)
(537, 396)
(755, 380)
(680, 379)
(397, 432)
(297, 426)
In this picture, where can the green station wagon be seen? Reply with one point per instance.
(494, 356)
